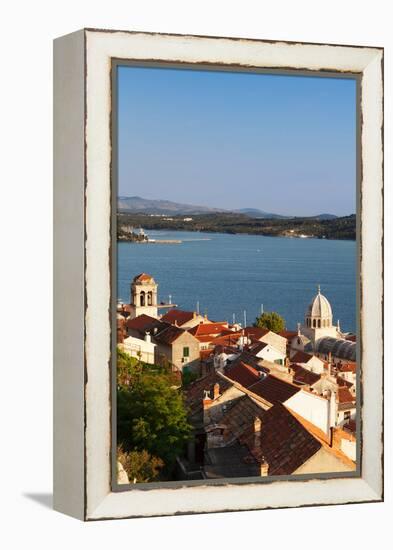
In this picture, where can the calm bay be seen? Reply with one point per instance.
(229, 274)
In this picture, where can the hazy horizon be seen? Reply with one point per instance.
(235, 208)
(281, 144)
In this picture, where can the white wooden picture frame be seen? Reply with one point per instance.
(82, 256)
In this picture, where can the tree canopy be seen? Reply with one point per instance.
(271, 321)
(151, 414)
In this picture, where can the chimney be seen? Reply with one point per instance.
(194, 315)
(147, 337)
(264, 467)
(257, 431)
(206, 399)
(216, 390)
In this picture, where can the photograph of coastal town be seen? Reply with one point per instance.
(236, 275)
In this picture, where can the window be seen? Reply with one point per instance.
(186, 352)
(347, 415)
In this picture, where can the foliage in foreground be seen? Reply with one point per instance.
(151, 414)
(271, 321)
(140, 466)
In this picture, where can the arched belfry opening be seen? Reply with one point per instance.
(143, 296)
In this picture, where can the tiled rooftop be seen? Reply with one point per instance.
(273, 389)
(195, 391)
(209, 329)
(304, 376)
(345, 396)
(285, 444)
(178, 316)
(301, 357)
(242, 373)
(141, 322)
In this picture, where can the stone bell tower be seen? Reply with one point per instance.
(143, 299)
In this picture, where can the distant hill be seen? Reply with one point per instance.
(139, 205)
(163, 207)
(260, 214)
(325, 217)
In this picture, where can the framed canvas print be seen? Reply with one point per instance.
(218, 274)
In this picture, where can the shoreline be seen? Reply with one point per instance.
(190, 230)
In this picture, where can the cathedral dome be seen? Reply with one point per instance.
(319, 313)
(320, 307)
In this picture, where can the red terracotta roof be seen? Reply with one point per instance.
(167, 333)
(348, 367)
(143, 277)
(141, 322)
(178, 316)
(243, 374)
(228, 339)
(284, 443)
(304, 376)
(273, 389)
(288, 334)
(344, 396)
(251, 360)
(301, 357)
(203, 339)
(343, 382)
(208, 329)
(255, 332)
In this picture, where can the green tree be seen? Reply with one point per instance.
(151, 416)
(129, 369)
(140, 465)
(271, 321)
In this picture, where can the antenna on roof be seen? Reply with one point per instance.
(170, 298)
(261, 309)
(245, 318)
(233, 319)
(198, 307)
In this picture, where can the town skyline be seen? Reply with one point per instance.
(249, 400)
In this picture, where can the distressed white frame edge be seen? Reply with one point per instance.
(99, 501)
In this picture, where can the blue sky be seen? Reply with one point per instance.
(284, 144)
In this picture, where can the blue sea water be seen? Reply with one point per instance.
(230, 274)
